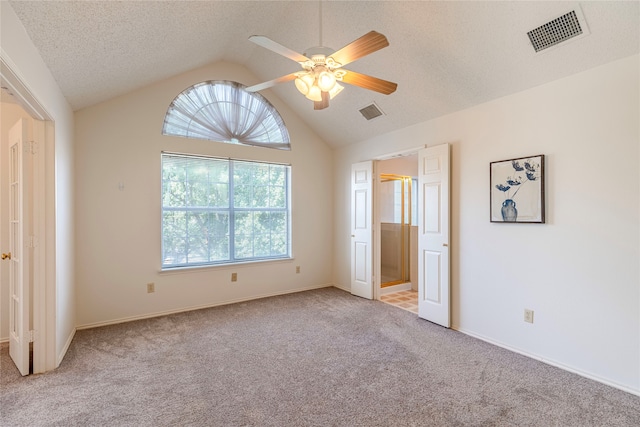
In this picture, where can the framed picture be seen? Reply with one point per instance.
(517, 190)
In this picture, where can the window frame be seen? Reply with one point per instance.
(231, 210)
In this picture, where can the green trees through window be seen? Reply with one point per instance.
(217, 211)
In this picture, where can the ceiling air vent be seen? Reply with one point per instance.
(371, 112)
(557, 31)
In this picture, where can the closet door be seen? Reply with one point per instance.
(433, 235)
(362, 229)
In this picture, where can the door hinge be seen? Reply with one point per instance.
(33, 242)
(32, 335)
(31, 147)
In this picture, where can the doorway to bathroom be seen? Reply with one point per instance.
(395, 222)
(398, 232)
(431, 244)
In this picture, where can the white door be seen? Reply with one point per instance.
(19, 164)
(362, 229)
(433, 234)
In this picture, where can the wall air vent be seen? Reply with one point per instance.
(557, 31)
(371, 111)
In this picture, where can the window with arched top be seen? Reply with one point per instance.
(223, 111)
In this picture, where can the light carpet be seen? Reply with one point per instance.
(316, 358)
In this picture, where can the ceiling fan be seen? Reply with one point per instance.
(322, 68)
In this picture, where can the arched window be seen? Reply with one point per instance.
(223, 111)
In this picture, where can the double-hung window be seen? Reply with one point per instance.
(219, 211)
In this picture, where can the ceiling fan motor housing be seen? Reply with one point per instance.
(318, 50)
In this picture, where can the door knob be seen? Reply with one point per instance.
(5, 256)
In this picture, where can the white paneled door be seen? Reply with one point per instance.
(362, 229)
(19, 246)
(433, 235)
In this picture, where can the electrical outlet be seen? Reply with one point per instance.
(234, 277)
(297, 269)
(151, 287)
(528, 315)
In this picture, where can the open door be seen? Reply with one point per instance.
(19, 246)
(433, 235)
(362, 179)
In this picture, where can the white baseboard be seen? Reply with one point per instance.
(386, 290)
(395, 288)
(198, 307)
(344, 288)
(64, 350)
(4, 340)
(550, 362)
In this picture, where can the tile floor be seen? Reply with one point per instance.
(407, 300)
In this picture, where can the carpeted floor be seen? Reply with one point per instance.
(317, 358)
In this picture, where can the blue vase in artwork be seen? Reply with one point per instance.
(509, 211)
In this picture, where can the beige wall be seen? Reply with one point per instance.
(580, 271)
(406, 165)
(118, 246)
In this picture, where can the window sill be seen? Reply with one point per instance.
(227, 266)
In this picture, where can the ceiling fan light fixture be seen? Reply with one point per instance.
(326, 81)
(315, 94)
(337, 88)
(304, 83)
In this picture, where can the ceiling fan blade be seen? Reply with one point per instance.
(267, 43)
(368, 82)
(324, 103)
(271, 83)
(369, 43)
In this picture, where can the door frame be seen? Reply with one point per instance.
(44, 281)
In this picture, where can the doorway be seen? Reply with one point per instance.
(394, 209)
(397, 214)
(433, 176)
(35, 333)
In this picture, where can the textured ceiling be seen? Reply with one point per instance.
(445, 56)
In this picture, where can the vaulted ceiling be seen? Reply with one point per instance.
(445, 56)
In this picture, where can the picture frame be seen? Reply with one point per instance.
(517, 190)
